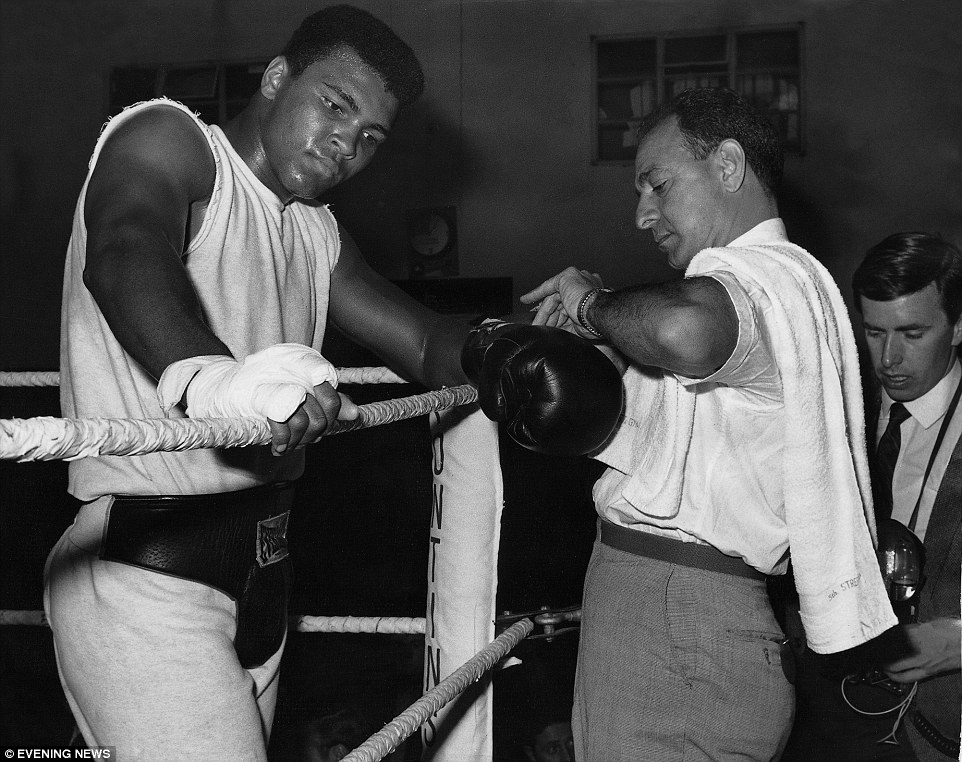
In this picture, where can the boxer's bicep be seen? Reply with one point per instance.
(136, 211)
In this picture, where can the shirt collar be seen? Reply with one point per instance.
(771, 230)
(932, 405)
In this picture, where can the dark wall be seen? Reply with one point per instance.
(502, 132)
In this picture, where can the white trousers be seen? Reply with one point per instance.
(147, 662)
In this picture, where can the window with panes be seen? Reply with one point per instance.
(632, 75)
(217, 91)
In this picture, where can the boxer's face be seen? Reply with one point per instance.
(680, 198)
(322, 126)
(911, 342)
(553, 744)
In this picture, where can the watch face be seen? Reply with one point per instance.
(432, 236)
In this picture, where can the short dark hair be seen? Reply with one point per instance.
(538, 723)
(904, 263)
(331, 29)
(348, 726)
(708, 115)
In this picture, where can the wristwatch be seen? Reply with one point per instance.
(582, 315)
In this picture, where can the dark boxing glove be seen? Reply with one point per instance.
(554, 391)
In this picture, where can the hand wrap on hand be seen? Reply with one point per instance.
(554, 391)
(271, 383)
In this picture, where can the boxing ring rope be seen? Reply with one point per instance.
(30, 378)
(47, 438)
(374, 625)
(391, 735)
(70, 433)
(546, 618)
(353, 625)
(363, 375)
(26, 618)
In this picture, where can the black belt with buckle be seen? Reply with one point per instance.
(671, 551)
(235, 542)
(695, 556)
(928, 731)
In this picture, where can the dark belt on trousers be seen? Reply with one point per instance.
(947, 746)
(671, 551)
(692, 555)
(235, 542)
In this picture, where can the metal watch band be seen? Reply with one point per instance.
(583, 310)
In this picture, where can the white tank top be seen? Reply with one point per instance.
(261, 270)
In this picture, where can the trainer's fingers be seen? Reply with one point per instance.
(546, 309)
(538, 293)
(595, 278)
(559, 319)
(550, 319)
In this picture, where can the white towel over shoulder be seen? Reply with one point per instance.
(828, 504)
(827, 493)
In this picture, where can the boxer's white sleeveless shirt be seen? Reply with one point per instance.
(261, 270)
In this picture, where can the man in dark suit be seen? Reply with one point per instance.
(908, 289)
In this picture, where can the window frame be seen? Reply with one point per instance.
(660, 76)
(226, 103)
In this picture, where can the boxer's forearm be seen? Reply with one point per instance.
(441, 354)
(149, 303)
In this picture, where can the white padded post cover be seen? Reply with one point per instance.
(462, 577)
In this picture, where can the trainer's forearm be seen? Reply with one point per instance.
(688, 327)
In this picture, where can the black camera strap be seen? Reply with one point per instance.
(946, 421)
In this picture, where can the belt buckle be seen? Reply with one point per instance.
(272, 539)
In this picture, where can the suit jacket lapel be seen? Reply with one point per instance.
(945, 522)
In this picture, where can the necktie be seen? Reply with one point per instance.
(886, 454)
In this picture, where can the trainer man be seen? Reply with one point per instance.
(742, 444)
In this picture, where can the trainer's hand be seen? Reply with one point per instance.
(937, 646)
(557, 299)
(554, 391)
(283, 383)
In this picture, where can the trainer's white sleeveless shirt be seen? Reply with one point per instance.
(261, 270)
